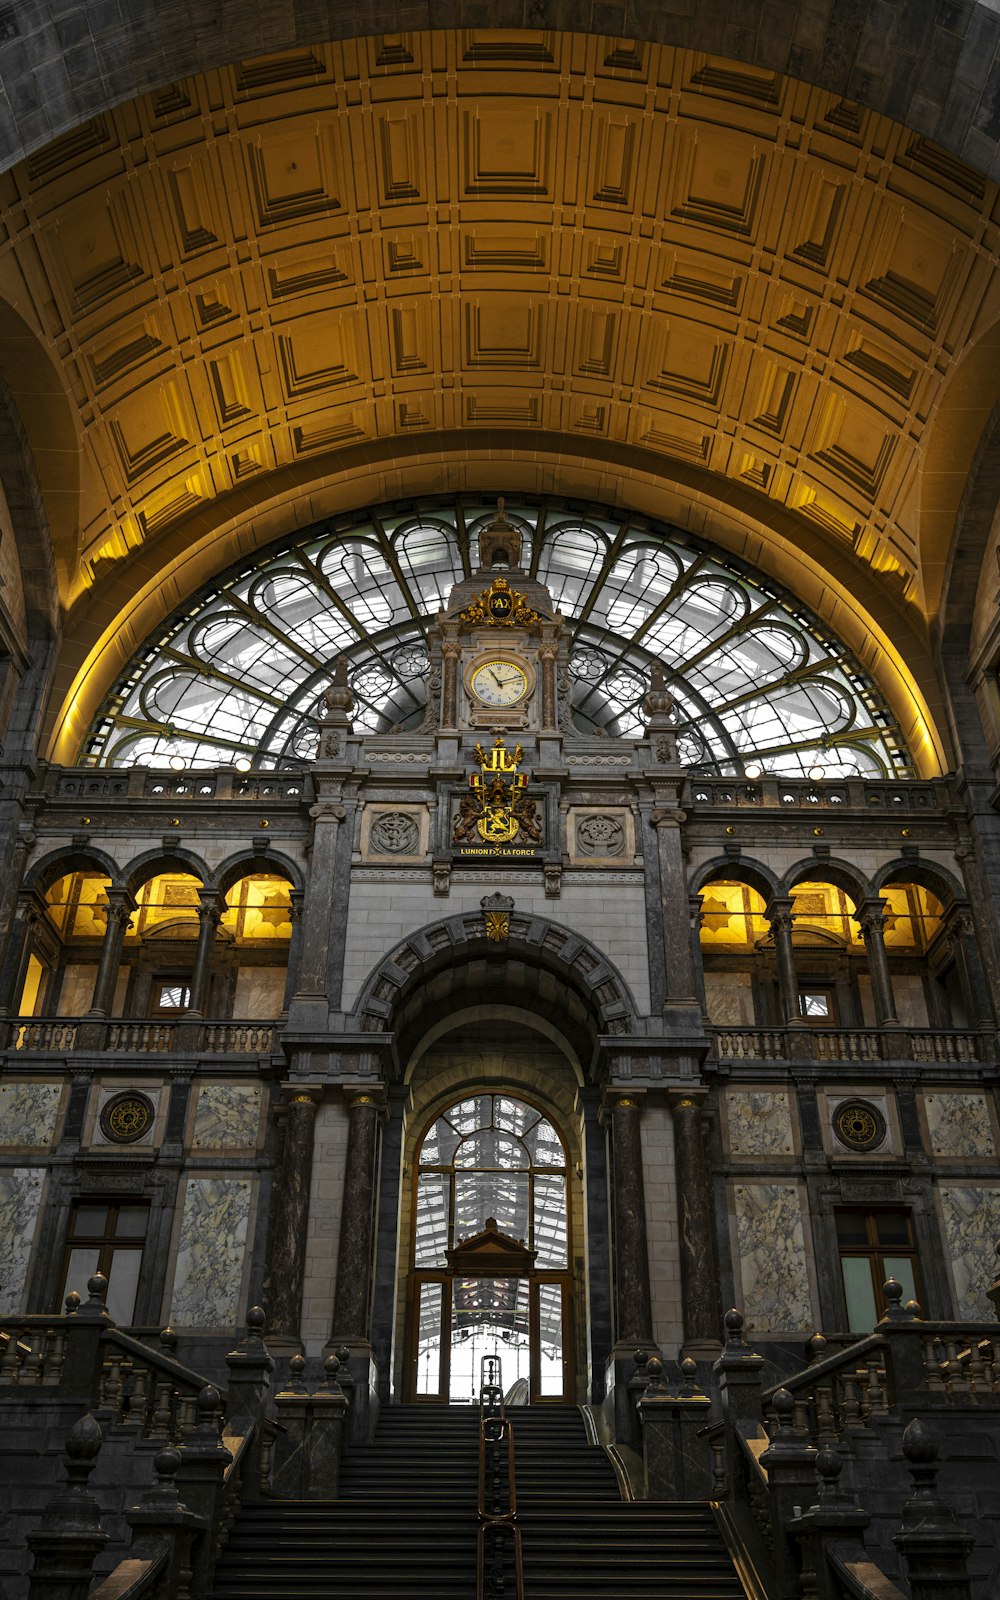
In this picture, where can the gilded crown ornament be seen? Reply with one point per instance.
(499, 606)
(497, 810)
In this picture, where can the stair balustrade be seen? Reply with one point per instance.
(497, 1498)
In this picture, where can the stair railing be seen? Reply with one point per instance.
(497, 1501)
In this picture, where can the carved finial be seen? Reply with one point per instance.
(500, 542)
(817, 1346)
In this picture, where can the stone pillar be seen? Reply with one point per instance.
(352, 1296)
(680, 981)
(29, 913)
(69, 1537)
(450, 652)
(696, 917)
(120, 908)
(296, 897)
(547, 655)
(779, 917)
(634, 1323)
(354, 1258)
(209, 917)
(871, 920)
(702, 1307)
(286, 1245)
(961, 930)
(315, 936)
(10, 895)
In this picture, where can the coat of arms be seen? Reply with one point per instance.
(497, 810)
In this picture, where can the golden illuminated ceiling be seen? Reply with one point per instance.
(525, 260)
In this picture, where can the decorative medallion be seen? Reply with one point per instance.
(499, 606)
(859, 1125)
(126, 1117)
(496, 912)
(394, 833)
(497, 816)
(600, 836)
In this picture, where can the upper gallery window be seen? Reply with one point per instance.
(237, 676)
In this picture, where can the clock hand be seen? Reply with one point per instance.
(498, 681)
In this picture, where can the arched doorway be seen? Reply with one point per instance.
(490, 1253)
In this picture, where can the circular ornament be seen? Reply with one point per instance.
(126, 1117)
(859, 1125)
(500, 683)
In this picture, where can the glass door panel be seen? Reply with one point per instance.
(551, 1381)
(490, 1317)
(428, 1343)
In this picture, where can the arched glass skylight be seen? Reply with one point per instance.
(239, 674)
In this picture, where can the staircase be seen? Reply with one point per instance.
(405, 1527)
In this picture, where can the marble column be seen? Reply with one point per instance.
(296, 898)
(961, 930)
(680, 979)
(631, 1255)
(120, 908)
(702, 1308)
(286, 1244)
(547, 655)
(696, 916)
(779, 917)
(11, 933)
(209, 916)
(351, 1306)
(26, 918)
(871, 920)
(450, 653)
(315, 941)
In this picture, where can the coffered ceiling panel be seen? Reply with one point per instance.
(628, 245)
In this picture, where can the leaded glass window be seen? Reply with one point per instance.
(237, 677)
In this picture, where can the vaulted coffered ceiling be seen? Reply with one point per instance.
(539, 261)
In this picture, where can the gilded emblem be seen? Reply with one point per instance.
(499, 606)
(497, 810)
(859, 1125)
(126, 1117)
(496, 914)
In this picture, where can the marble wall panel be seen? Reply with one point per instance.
(729, 999)
(211, 1252)
(971, 1214)
(959, 1125)
(76, 992)
(28, 1113)
(759, 1122)
(227, 1116)
(771, 1254)
(260, 993)
(20, 1198)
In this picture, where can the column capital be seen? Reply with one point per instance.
(680, 1100)
(359, 1096)
(327, 811)
(779, 905)
(870, 913)
(297, 1094)
(211, 903)
(667, 816)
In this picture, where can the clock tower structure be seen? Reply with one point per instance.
(499, 655)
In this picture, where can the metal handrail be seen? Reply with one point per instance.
(495, 1521)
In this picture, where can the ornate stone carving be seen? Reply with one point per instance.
(859, 1125)
(442, 877)
(126, 1117)
(496, 915)
(600, 836)
(394, 833)
(552, 872)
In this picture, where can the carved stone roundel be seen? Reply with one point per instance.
(394, 833)
(600, 836)
(126, 1117)
(859, 1125)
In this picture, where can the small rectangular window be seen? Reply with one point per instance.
(170, 995)
(106, 1236)
(816, 1005)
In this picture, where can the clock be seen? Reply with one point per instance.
(499, 683)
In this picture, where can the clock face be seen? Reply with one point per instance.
(500, 683)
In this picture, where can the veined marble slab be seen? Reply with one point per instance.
(227, 1116)
(20, 1197)
(28, 1113)
(959, 1125)
(759, 1122)
(972, 1226)
(211, 1252)
(772, 1258)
